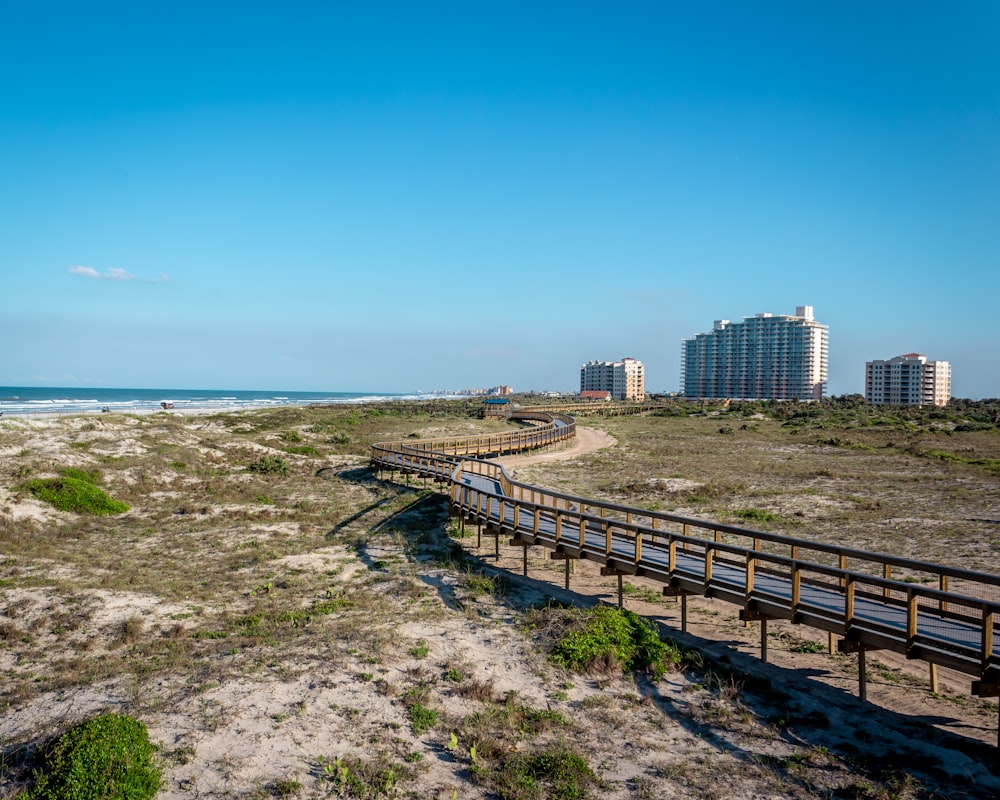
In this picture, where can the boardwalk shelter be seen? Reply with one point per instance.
(495, 407)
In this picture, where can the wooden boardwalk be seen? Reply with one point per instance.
(934, 613)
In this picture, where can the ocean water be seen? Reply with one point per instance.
(22, 400)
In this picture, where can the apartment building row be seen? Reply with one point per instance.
(771, 357)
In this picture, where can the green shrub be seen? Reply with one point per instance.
(108, 757)
(269, 465)
(555, 772)
(420, 649)
(74, 490)
(611, 638)
(422, 719)
(303, 450)
(81, 475)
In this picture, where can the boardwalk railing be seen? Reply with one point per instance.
(935, 613)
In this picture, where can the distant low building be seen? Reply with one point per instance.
(909, 380)
(624, 379)
(596, 395)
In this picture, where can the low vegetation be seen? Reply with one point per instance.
(605, 639)
(108, 757)
(554, 772)
(267, 581)
(75, 490)
(269, 465)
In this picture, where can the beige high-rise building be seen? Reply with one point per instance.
(764, 357)
(908, 379)
(625, 379)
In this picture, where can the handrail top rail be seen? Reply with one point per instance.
(750, 533)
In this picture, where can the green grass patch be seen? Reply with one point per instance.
(74, 490)
(422, 718)
(605, 639)
(756, 515)
(991, 465)
(269, 465)
(303, 450)
(554, 772)
(108, 757)
(365, 779)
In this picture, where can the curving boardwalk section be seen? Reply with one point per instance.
(941, 615)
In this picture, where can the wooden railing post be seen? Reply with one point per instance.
(987, 647)
(796, 589)
(911, 616)
(848, 601)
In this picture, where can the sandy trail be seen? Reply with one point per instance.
(587, 440)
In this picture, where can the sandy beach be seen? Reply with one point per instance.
(265, 626)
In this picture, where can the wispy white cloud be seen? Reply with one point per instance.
(114, 274)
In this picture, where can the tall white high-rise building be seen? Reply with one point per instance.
(908, 379)
(764, 357)
(625, 379)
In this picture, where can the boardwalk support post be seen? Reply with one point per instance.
(989, 689)
(524, 555)
(748, 616)
(854, 646)
(676, 591)
(862, 675)
(605, 571)
(563, 557)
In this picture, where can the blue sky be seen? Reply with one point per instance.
(372, 196)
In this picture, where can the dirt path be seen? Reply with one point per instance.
(587, 440)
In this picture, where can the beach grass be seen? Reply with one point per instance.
(351, 603)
